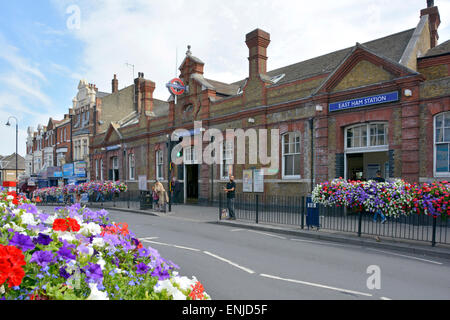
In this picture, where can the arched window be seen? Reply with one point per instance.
(442, 144)
(291, 155)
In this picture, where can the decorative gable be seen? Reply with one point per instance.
(362, 67)
(363, 73)
(112, 134)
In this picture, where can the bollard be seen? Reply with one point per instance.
(359, 223)
(433, 240)
(257, 208)
(220, 206)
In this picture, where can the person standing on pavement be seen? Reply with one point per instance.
(379, 179)
(162, 194)
(231, 191)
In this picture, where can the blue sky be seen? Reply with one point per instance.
(42, 60)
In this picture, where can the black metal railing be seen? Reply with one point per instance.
(131, 199)
(293, 211)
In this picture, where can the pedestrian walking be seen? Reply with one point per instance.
(162, 195)
(379, 179)
(155, 198)
(231, 193)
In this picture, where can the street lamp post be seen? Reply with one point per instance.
(17, 132)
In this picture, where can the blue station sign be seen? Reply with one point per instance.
(364, 102)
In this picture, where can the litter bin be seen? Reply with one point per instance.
(312, 213)
(146, 200)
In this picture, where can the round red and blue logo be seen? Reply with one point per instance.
(176, 86)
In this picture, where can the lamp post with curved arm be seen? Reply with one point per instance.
(17, 131)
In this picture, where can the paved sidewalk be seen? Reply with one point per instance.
(205, 214)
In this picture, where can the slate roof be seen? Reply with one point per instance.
(9, 162)
(391, 46)
(160, 108)
(441, 49)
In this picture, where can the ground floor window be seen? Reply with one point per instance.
(442, 144)
(159, 165)
(291, 155)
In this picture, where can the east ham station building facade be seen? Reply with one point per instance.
(380, 105)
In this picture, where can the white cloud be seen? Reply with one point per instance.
(148, 33)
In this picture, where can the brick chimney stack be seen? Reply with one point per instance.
(434, 20)
(143, 94)
(257, 42)
(115, 84)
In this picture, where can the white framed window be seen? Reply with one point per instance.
(132, 166)
(367, 137)
(190, 157)
(442, 145)
(96, 169)
(85, 148)
(227, 159)
(159, 165)
(101, 169)
(291, 155)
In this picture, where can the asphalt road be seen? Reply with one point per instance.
(239, 264)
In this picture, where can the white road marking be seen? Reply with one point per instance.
(172, 245)
(268, 234)
(264, 233)
(229, 262)
(149, 238)
(384, 298)
(410, 257)
(322, 243)
(317, 285)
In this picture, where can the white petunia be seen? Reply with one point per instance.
(28, 218)
(98, 242)
(97, 294)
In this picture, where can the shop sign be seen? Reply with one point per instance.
(80, 169)
(68, 170)
(364, 102)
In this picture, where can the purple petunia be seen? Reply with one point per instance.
(28, 207)
(43, 239)
(63, 273)
(93, 272)
(142, 268)
(43, 258)
(65, 253)
(21, 241)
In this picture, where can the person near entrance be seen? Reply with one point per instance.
(379, 179)
(231, 191)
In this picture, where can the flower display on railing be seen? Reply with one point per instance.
(79, 254)
(391, 198)
(91, 187)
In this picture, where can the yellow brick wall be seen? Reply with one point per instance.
(364, 73)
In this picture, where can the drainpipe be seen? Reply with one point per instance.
(311, 128)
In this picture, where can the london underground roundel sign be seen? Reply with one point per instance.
(176, 86)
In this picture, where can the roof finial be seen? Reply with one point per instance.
(188, 53)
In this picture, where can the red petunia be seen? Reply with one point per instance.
(11, 262)
(68, 224)
(197, 291)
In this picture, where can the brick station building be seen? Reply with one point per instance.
(380, 105)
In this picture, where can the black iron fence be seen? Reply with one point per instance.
(130, 199)
(294, 211)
